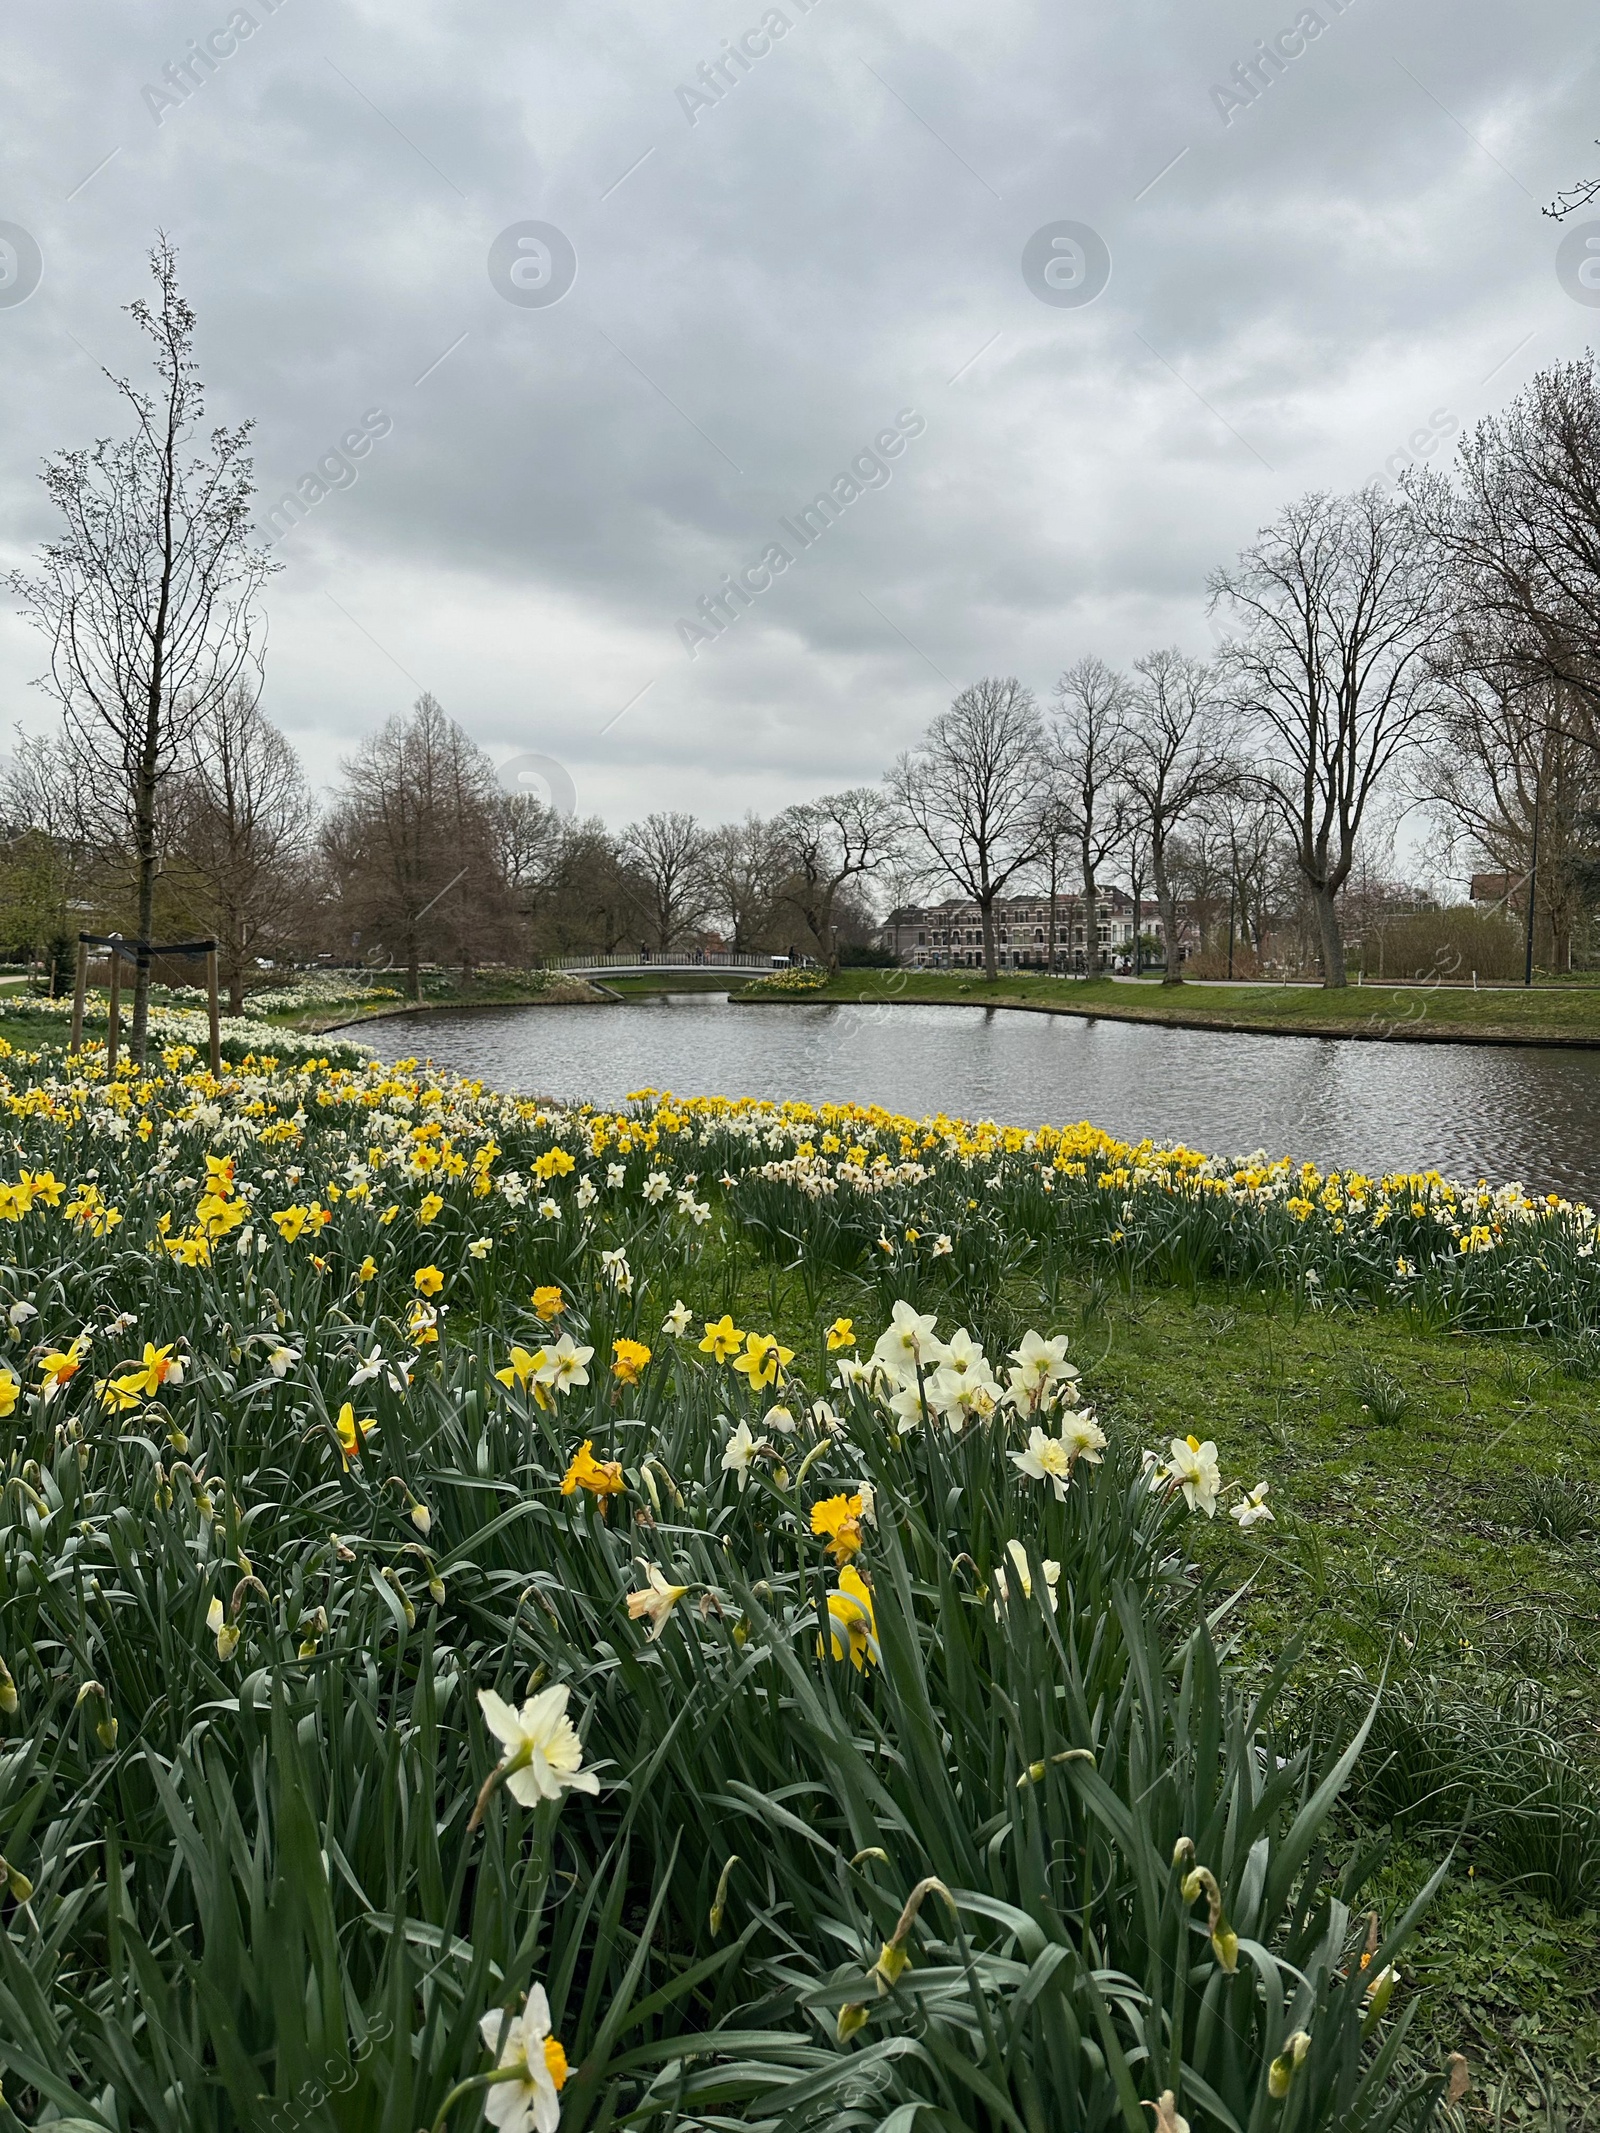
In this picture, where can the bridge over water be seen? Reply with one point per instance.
(650, 963)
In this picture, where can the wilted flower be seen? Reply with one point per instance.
(656, 1601)
(600, 1477)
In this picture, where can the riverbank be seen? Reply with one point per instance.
(1412, 1014)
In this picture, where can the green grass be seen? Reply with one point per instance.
(1544, 1014)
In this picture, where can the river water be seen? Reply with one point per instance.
(1500, 1112)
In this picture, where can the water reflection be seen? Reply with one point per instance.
(1472, 1110)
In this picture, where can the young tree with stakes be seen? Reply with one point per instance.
(148, 596)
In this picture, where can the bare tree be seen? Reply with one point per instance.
(1091, 741)
(242, 834)
(1179, 755)
(833, 846)
(1522, 527)
(148, 596)
(412, 843)
(966, 794)
(667, 854)
(1339, 608)
(745, 863)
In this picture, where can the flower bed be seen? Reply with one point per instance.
(471, 1603)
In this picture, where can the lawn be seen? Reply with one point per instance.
(1544, 1014)
(895, 1739)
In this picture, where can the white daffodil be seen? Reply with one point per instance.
(480, 1247)
(373, 1364)
(543, 1755)
(19, 1314)
(1047, 1458)
(656, 1187)
(740, 1450)
(531, 2104)
(616, 1176)
(906, 1405)
(779, 1418)
(656, 1601)
(849, 1370)
(550, 1212)
(614, 1267)
(825, 1416)
(1083, 1436)
(1251, 1510)
(942, 1246)
(1194, 1468)
(906, 1341)
(586, 1194)
(565, 1365)
(281, 1359)
(678, 1320)
(1019, 1559)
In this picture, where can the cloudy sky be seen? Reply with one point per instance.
(852, 231)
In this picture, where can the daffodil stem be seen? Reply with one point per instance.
(475, 2081)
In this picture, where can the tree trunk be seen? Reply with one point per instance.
(1167, 903)
(413, 967)
(1329, 936)
(1091, 916)
(986, 912)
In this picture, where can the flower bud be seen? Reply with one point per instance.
(20, 1886)
(892, 1959)
(422, 1519)
(1183, 1854)
(8, 1691)
(1282, 2070)
(852, 2017)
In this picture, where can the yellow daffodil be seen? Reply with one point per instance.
(522, 1369)
(427, 1281)
(763, 1359)
(841, 1334)
(548, 1302)
(59, 1366)
(432, 1206)
(10, 1391)
(721, 1341)
(630, 1357)
(600, 1477)
(839, 1517)
(854, 1627)
(353, 1434)
(367, 1270)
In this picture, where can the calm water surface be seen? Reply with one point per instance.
(1472, 1111)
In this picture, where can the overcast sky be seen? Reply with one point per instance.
(773, 270)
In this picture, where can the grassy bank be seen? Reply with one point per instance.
(896, 1739)
(1549, 1014)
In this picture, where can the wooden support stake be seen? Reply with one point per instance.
(211, 1007)
(78, 990)
(114, 1013)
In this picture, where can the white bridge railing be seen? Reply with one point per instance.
(673, 959)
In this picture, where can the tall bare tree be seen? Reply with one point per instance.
(147, 597)
(666, 853)
(966, 793)
(1521, 527)
(1090, 744)
(744, 871)
(1179, 755)
(412, 844)
(832, 847)
(242, 835)
(1338, 613)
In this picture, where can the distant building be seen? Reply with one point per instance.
(949, 935)
(1488, 890)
